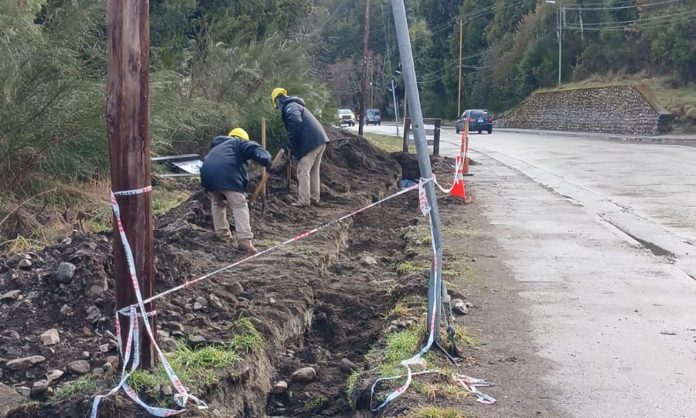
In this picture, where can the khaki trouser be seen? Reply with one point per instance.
(308, 175)
(238, 202)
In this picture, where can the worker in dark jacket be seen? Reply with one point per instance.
(307, 141)
(224, 176)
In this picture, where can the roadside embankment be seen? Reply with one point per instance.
(618, 109)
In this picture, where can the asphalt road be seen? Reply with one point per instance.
(601, 235)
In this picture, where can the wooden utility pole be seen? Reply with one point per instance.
(128, 126)
(364, 77)
(459, 87)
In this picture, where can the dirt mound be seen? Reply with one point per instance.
(314, 303)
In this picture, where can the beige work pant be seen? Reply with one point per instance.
(308, 175)
(238, 202)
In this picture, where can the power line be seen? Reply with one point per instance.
(634, 6)
(605, 25)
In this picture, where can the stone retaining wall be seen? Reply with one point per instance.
(620, 109)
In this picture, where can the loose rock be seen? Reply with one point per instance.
(50, 337)
(216, 303)
(79, 367)
(459, 307)
(304, 375)
(93, 314)
(15, 259)
(167, 390)
(24, 264)
(280, 387)
(95, 292)
(9, 398)
(24, 391)
(235, 289)
(112, 362)
(54, 375)
(65, 273)
(369, 260)
(24, 362)
(347, 365)
(39, 387)
(66, 310)
(11, 295)
(196, 340)
(168, 344)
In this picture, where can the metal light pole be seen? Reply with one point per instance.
(435, 295)
(396, 108)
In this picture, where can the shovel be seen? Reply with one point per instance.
(261, 188)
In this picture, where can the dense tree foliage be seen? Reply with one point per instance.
(510, 47)
(213, 63)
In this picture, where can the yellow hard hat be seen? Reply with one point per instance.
(239, 133)
(277, 92)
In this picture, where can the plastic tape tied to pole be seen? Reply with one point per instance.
(131, 353)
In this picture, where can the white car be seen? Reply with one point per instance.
(345, 117)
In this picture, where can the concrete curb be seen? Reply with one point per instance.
(685, 139)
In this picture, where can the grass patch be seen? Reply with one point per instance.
(197, 367)
(436, 412)
(164, 200)
(315, 404)
(82, 386)
(400, 310)
(408, 267)
(386, 142)
(399, 346)
(351, 386)
(21, 245)
(417, 234)
(462, 335)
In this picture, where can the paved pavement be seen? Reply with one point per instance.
(602, 236)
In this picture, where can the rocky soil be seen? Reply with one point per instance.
(319, 304)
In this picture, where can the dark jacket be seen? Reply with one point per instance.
(225, 166)
(305, 133)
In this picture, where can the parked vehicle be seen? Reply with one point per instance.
(373, 116)
(479, 121)
(345, 117)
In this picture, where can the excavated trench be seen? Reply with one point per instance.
(320, 302)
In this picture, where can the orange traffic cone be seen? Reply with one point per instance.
(459, 188)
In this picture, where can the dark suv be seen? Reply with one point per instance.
(479, 120)
(373, 117)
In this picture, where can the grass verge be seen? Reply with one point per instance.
(386, 142)
(203, 366)
(83, 385)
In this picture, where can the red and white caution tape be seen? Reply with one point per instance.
(132, 344)
(133, 339)
(458, 164)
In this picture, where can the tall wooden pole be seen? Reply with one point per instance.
(459, 87)
(128, 126)
(364, 77)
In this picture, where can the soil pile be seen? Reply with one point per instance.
(316, 303)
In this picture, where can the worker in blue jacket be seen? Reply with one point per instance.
(224, 176)
(307, 140)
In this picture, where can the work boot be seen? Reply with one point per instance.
(227, 239)
(299, 205)
(246, 246)
(316, 203)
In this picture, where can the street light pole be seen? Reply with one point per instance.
(396, 108)
(559, 34)
(560, 44)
